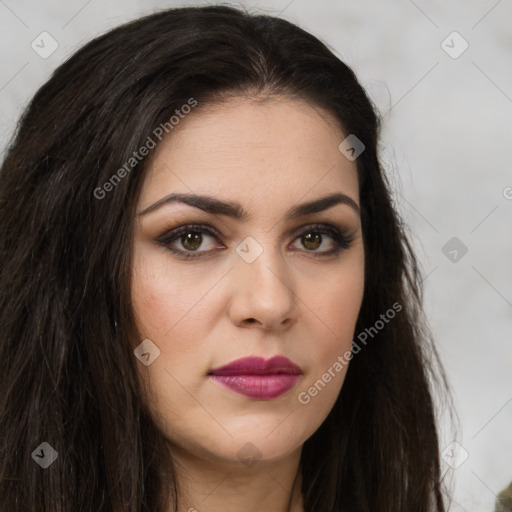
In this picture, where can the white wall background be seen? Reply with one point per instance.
(446, 139)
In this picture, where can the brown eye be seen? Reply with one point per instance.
(312, 241)
(192, 240)
(323, 240)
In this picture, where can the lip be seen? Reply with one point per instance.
(258, 378)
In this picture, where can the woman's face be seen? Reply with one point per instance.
(257, 273)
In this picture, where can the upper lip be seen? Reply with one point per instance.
(258, 366)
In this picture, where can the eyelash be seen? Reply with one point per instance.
(342, 240)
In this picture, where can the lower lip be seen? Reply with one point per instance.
(260, 387)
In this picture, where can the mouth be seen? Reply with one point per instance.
(258, 378)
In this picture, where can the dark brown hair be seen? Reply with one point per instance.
(68, 374)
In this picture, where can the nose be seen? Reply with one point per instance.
(263, 293)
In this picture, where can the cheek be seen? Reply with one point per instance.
(337, 303)
(155, 309)
(165, 314)
(344, 305)
(161, 298)
(334, 312)
(175, 312)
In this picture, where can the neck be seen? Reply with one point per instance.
(231, 486)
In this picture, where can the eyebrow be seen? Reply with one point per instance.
(235, 210)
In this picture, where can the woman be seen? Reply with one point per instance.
(208, 300)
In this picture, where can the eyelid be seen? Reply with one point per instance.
(342, 237)
(174, 232)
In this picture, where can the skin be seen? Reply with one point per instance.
(205, 312)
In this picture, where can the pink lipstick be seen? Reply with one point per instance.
(258, 378)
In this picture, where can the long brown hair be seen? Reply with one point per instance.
(68, 375)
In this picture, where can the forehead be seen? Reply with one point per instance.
(278, 149)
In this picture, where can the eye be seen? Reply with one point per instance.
(186, 241)
(325, 236)
(196, 240)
